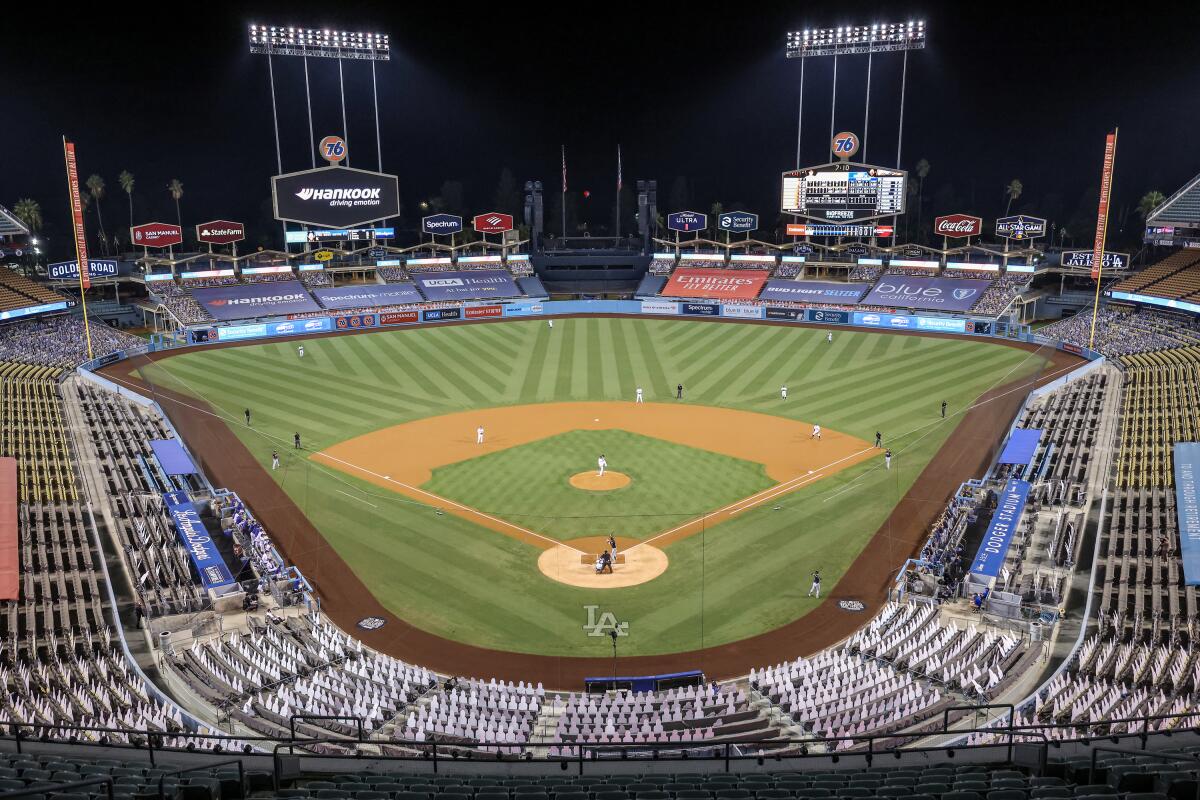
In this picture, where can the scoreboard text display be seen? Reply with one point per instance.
(844, 192)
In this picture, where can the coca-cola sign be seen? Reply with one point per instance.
(958, 226)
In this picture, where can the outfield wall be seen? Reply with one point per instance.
(960, 325)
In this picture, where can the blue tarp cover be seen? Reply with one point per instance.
(1021, 446)
(172, 458)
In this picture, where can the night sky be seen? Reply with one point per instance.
(688, 90)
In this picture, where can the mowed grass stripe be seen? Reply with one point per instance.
(754, 567)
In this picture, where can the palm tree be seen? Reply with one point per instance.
(30, 213)
(126, 181)
(922, 171)
(95, 185)
(1150, 201)
(1013, 190)
(175, 187)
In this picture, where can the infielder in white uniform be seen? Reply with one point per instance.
(783, 392)
(301, 349)
(639, 396)
(816, 434)
(479, 435)
(602, 464)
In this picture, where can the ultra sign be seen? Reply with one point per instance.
(687, 221)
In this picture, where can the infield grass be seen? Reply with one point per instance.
(741, 578)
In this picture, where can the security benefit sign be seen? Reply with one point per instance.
(335, 197)
(1001, 530)
(200, 547)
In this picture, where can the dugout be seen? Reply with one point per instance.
(645, 683)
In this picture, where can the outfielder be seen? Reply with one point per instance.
(783, 392)
(479, 435)
(274, 460)
(550, 322)
(829, 337)
(815, 589)
(602, 463)
(639, 399)
(300, 350)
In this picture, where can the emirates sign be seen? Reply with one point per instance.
(220, 231)
(958, 226)
(156, 234)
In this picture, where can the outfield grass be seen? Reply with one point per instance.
(528, 484)
(738, 579)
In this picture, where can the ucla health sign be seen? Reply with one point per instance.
(191, 531)
(470, 284)
(990, 557)
(69, 270)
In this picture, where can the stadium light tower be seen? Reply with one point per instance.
(273, 40)
(855, 40)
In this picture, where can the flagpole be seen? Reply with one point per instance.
(81, 259)
(564, 191)
(618, 191)
(1110, 160)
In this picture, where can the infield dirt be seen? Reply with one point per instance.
(403, 457)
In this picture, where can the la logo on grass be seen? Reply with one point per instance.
(601, 624)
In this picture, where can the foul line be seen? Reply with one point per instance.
(749, 502)
(438, 499)
(352, 497)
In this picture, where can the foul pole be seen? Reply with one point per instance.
(1106, 176)
(81, 256)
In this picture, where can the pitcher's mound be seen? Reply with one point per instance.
(592, 482)
(638, 564)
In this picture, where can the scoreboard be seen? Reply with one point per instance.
(844, 192)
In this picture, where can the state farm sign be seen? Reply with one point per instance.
(493, 222)
(220, 231)
(156, 234)
(958, 226)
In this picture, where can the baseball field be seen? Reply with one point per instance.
(723, 502)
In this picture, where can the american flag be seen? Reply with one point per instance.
(564, 162)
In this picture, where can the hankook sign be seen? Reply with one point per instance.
(335, 197)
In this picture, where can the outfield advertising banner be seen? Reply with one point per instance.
(470, 284)
(353, 322)
(1187, 508)
(830, 292)
(741, 312)
(827, 317)
(927, 292)
(1009, 505)
(399, 318)
(234, 333)
(659, 307)
(483, 312)
(716, 284)
(200, 548)
(784, 313)
(391, 294)
(700, 309)
(522, 309)
(439, 314)
(871, 319)
(243, 301)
